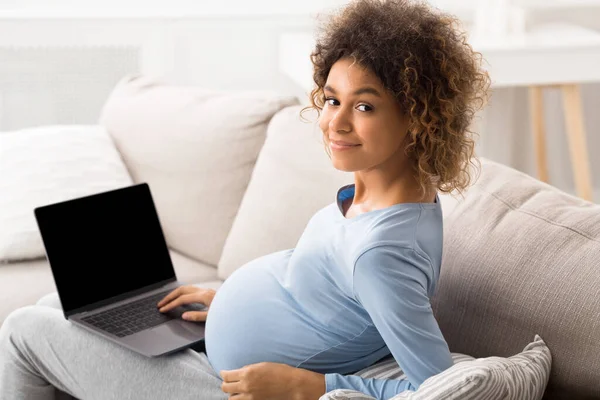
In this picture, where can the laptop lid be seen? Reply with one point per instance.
(104, 247)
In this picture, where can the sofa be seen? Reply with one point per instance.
(236, 175)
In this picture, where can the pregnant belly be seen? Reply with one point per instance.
(253, 319)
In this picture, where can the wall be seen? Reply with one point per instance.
(60, 68)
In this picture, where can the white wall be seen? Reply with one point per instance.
(205, 7)
(233, 52)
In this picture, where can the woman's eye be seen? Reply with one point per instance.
(330, 101)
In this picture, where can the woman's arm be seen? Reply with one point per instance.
(392, 285)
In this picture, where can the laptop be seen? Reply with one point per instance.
(111, 266)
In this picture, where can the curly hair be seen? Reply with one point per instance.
(423, 58)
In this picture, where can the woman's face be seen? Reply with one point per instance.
(358, 111)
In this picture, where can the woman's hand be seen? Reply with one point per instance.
(188, 294)
(272, 381)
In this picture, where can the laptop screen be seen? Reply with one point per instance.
(104, 245)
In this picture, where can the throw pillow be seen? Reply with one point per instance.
(48, 164)
(523, 376)
(196, 148)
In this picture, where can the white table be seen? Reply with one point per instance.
(547, 57)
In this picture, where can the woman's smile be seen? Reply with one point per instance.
(339, 146)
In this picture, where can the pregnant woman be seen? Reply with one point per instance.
(396, 88)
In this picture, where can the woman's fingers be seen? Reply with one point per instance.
(232, 387)
(195, 315)
(181, 300)
(176, 293)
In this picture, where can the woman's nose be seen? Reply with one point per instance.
(340, 122)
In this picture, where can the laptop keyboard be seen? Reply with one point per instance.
(130, 318)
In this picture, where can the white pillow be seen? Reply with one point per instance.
(523, 376)
(47, 164)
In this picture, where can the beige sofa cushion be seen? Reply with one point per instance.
(26, 282)
(293, 178)
(523, 258)
(195, 147)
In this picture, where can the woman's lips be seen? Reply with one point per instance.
(338, 147)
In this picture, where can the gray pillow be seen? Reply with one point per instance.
(523, 376)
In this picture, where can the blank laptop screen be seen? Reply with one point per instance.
(104, 245)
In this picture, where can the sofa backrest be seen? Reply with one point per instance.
(522, 258)
(196, 148)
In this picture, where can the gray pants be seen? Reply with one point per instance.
(44, 356)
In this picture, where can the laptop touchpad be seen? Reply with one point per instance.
(188, 330)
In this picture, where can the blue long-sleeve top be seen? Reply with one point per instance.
(351, 292)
